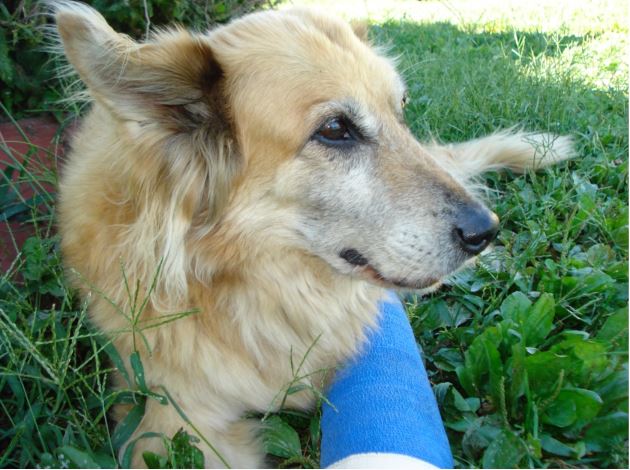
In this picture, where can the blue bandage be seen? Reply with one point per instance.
(383, 402)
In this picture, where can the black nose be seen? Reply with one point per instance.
(475, 228)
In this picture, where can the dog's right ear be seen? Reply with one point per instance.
(170, 80)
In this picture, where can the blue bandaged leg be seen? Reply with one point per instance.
(383, 402)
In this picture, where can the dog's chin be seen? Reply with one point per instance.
(351, 262)
(431, 285)
(428, 284)
(358, 265)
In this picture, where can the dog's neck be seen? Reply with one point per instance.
(286, 300)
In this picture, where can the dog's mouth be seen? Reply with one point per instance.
(358, 260)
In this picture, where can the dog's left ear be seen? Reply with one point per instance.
(171, 80)
(167, 90)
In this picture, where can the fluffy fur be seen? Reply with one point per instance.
(201, 175)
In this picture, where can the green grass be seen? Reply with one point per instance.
(528, 352)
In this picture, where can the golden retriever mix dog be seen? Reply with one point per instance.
(265, 170)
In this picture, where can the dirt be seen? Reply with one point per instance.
(38, 144)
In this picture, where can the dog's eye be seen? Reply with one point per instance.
(334, 131)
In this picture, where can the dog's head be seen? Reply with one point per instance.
(312, 138)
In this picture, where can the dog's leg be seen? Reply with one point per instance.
(516, 150)
(237, 442)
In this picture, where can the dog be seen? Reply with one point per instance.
(260, 175)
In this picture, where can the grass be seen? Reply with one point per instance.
(528, 352)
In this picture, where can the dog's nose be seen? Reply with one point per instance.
(475, 228)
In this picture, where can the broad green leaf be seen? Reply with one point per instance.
(561, 412)
(489, 431)
(544, 370)
(596, 281)
(586, 404)
(478, 436)
(482, 357)
(458, 315)
(127, 426)
(124, 397)
(474, 367)
(601, 433)
(554, 446)
(280, 439)
(466, 380)
(615, 330)
(591, 353)
(575, 334)
(614, 391)
(463, 424)
(516, 372)
(587, 358)
(516, 307)
(600, 254)
(448, 359)
(539, 322)
(440, 390)
(438, 315)
(495, 370)
(474, 403)
(506, 451)
(459, 402)
(79, 457)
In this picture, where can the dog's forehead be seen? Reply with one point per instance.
(280, 65)
(296, 41)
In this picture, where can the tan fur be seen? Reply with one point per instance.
(197, 159)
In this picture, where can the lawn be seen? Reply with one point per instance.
(527, 352)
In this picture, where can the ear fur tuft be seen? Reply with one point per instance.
(156, 81)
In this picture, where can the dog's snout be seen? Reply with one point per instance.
(475, 228)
